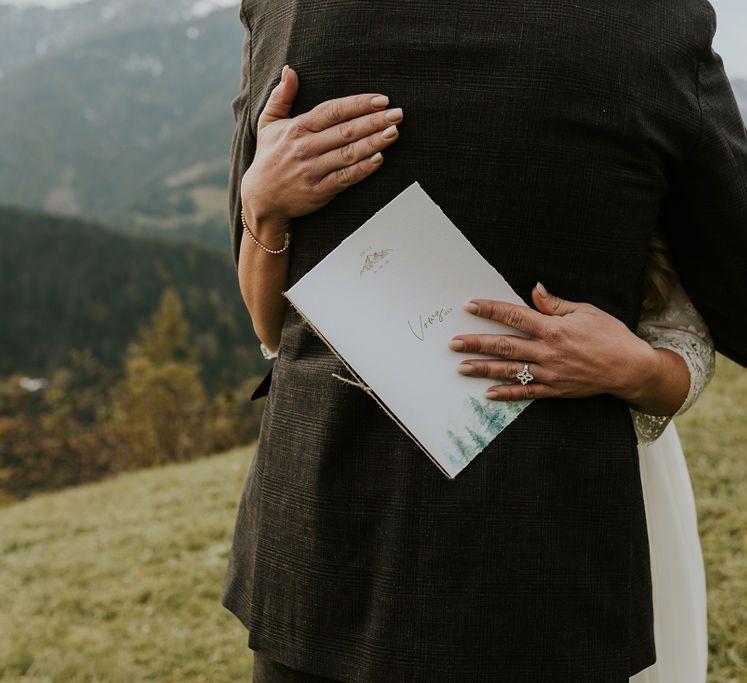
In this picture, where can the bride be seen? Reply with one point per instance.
(677, 572)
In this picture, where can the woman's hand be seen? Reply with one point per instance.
(574, 350)
(302, 163)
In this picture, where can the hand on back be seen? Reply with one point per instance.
(302, 163)
(573, 349)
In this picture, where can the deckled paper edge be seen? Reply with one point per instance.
(362, 385)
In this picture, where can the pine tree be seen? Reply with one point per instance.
(167, 336)
(489, 417)
(159, 408)
(464, 450)
(480, 441)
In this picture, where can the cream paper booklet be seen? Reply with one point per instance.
(387, 301)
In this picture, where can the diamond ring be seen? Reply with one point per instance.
(525, 376)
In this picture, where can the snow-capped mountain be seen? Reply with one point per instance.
(32, 29)
(121, 112)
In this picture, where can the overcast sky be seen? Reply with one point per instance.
(730, 42)
(731, 35)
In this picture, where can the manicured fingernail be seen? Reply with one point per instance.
(379, 101)
(466, 368)
(491, 394)
(389, 132)
(456, 344)
(541, 289)
(471, 307)
(394, 114)
(282, 73)
(376, 158)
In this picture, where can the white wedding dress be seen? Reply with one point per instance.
(677, 571)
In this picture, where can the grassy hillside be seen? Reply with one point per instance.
(120, 580)
(72, 284)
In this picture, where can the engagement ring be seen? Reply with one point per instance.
(525, 376)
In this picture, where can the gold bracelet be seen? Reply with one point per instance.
(271, 251)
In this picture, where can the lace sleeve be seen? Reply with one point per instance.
(266, 353)
(681, 329)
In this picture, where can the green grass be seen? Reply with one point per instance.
(714, 436)
(120, 580)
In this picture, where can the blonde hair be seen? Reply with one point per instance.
(659, 278)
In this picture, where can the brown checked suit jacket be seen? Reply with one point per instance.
(558, 136)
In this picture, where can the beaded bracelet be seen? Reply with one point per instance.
(271, 251)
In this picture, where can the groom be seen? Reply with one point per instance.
(558, 136)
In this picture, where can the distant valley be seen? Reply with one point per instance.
(119, 111)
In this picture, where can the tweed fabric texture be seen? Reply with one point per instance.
(556, 135)
(266, 670)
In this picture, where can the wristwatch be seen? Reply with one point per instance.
(266, 352)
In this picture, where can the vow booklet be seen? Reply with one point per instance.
(387, 301)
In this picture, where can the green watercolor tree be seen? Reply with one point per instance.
(462, 447)
(479, 440)
(489, 417)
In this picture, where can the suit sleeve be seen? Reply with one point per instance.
(704, 216)
(243, 143)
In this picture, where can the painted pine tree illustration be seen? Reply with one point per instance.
(454, 459)
(489, 417)
(479, 439)
(464, 450)
(513, 408)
